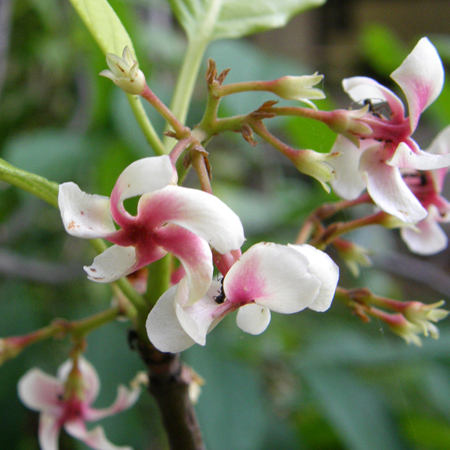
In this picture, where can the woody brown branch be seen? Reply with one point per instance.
(169, 385)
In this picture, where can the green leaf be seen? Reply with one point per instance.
(354, 409)
(104, 25)
(208, 20)
(112, 37)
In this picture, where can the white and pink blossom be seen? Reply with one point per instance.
(427, 237)
(66, 402)
(267, 277)
(170, 218)
(375, 164)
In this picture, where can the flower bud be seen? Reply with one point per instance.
(9, 348)
(298, 88)
(314, 164)
(125, 72)
(422, 315)
(354, 256)
(405, 329)
(392, 222)
(348, 124)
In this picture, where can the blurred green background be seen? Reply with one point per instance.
(311, 381)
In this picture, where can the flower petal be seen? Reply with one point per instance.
(348, 183)
(405, 157)
(364, 88)
(140, 177)
(95, 438)
(90, 377)
(48, 431)
(114, 263)
(124, 400)
(84, 215)
(324, 268)
(274, 276)
(40, 392)
(421, 77)
(163, 327)
(200, 318)
(387, 187)
(195, 255)
(429, 238)
(199, 212)
(440, 146)
(253, 318)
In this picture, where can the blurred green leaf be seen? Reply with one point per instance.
(426, 432)
(52, 153)
(104, 25)
(354, 409)
(208, 20)
(436, 388)
(382, 48)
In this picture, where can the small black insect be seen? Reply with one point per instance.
(377, 108)
(219, 299)
(132, 339)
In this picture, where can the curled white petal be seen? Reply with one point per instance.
(324, 268)
(274, 276)
(199, 212)
(253, 318)
(421, 77)
(49, 430)
(114, 263)
(427, 238)
(201, 317)
(348, 182)
(84, 215)
(387, 187)
(95, 438)
(405, 157)
(142, 176)
(124, 400)
(40, 391)
(194, 254)
(163, 327)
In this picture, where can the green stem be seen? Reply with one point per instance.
(82, 327)
(13, 345)
(158, 279)
(29, 182)
(180, 130)
(186, 81)
(145, 124)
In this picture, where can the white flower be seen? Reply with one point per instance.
(179, 220)
(268, 277)
(66, 401)
(376, 163)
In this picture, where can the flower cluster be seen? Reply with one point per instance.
(66, 402)
(186, 222)
(268, 277)
(384, 149)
